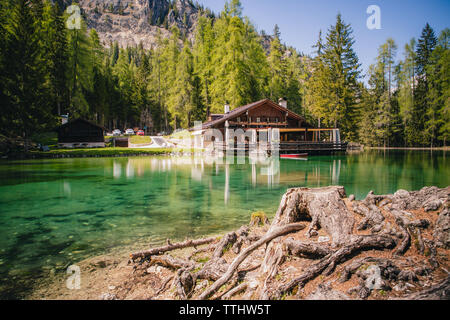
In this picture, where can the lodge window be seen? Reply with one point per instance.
(276, 120)
(238, 119)
(258, 119)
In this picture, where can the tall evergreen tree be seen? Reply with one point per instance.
(424, 51)
(406, 87)
(24, 84)
(343, 70)
(277, 65)
(79, 71)
(203, 48)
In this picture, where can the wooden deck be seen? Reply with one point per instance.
(288, 147)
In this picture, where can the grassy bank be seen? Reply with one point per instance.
(102, 152)
(140, 140)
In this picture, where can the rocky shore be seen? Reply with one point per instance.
(320, 244)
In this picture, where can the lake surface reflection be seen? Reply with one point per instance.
(54, 213)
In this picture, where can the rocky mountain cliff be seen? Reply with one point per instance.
(130, 22)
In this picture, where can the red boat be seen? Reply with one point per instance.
(294, 156)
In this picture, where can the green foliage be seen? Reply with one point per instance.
(99, 152)
(333, 88)
(408, 104)
(176, 82)
(140, 140)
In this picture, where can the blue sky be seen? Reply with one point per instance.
(300, 21)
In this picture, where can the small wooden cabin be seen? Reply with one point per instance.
(261, 117)
(81, 133)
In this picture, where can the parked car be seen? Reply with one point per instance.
(140, 133)
(117, 132)
(129, 132)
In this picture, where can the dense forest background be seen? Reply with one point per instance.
(47, 70)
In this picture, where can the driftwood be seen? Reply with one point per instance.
(170, 247)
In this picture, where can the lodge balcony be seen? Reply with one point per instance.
(310, 147)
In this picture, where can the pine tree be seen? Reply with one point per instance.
(55, 52)
(79, 71)
(424, 51)
(317, 97)
(407, 85)
(239, 63)
(202, 51)
(340, 73)
(438, 95)
(24, 78)
(181, 92)
(277, 65)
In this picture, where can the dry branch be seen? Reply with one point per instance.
(170, 247)
(171, 262)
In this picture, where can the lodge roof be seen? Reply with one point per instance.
(243, 109)
(79, 120)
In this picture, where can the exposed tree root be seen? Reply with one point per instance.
(327, 264)
(440, 291)
(307, 249)
(244, 254)
(403, 249)
(171, 262)
(241, 287)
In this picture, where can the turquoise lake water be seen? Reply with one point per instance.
(54, 213)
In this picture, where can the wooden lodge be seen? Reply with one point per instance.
(258, 121)
(80, 133)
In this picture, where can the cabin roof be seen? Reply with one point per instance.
(79, 120)
(240, 110)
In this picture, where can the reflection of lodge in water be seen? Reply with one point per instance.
(264, 171)
(242, 128)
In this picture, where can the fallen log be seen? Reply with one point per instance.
(280, 231)
(170, 247)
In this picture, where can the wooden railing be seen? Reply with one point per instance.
(313, 146)
(286, 147)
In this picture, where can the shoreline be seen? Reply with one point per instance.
(410, 148)
(143, 152)
(96, 153)
(189, 272)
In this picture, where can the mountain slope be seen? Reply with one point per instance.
(130, 22)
